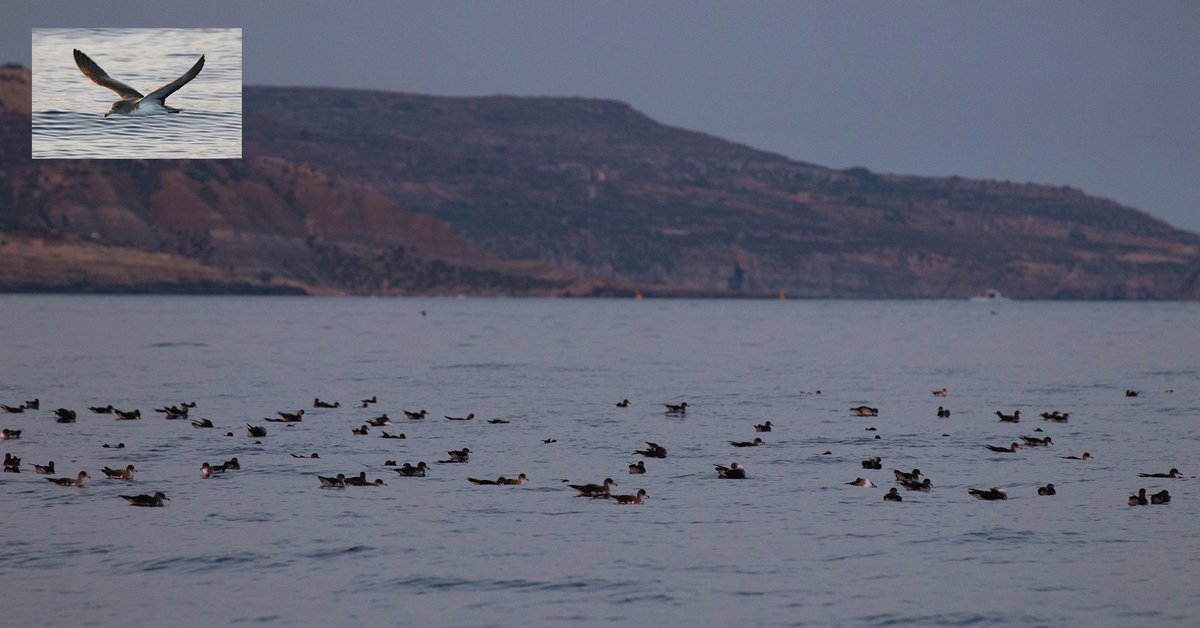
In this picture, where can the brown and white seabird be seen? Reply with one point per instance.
(133, 102)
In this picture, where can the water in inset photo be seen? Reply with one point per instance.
(137, 93)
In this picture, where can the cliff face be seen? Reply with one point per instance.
(366, 192)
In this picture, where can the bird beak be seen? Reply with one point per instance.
(107, 114)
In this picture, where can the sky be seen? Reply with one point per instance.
(1100, 95)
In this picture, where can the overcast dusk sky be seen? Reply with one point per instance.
(1103, 96)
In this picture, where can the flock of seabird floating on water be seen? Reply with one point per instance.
(908, 480)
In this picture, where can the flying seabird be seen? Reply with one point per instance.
(132, 102)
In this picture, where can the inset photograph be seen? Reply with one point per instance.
(137, 93)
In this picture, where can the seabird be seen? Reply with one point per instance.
(873, 463)
(1047, 490)
(44, 469)
(338, 482)
(409, 471)
(907, 477)
(462, 455)
(1033, 441)
(747, 443)
(416, 416)
(317, 403)
(312, 455)
(255, 431)
(7, 434)
(498, 421)
(988, 495)
(288, 417)
(893, 495)
(128, 416)
(64, 415)
(208, 471)
(361, 480)
(386, 435)
(1087, 455)
(174, 412)
(943, 413)
(202, 423)
(733, 472)
(632, 499)
(673, 408)
(149, 501)
(97, 409)
(120, 474)
(371, 400)
(594, 490)
(1174, 473)
(361, 431)
(913, 485)
(117, 446)
(33, 405)
(1015, 417)
(1161, 497)
(764, 427)
(637, 467)
(940, 393)
(132, 102)
(380, 421)
(12, 409)
(232, 463)
(502, 481)
(624, 403)
(1056, 416)
(653, 451)
(863, 482)
(1139, 499)
(461, 418)
(1011, 449)
(78, 481)
(865, 411)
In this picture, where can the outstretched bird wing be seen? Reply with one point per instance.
(161, 93)
(101, 78)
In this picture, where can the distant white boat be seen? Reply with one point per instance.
(991, 295)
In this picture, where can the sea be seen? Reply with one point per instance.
(792, 544)
(68, 108)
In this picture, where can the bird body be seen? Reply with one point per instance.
(120, 474)
(76, 481)
(147, 501)
(733, 472)
(988, 495)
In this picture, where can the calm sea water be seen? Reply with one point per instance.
(68, 108)
(790, 545)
